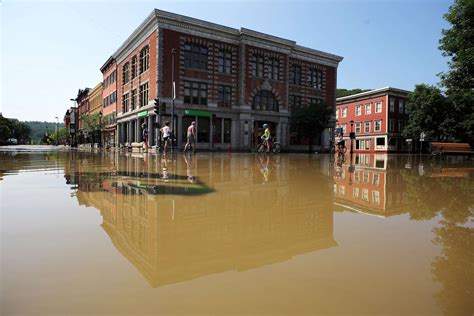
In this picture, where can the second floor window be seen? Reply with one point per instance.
(144, 94)
(274, 69)
(295, 74)
(358, 110)
(224, 96)
(133, 100)
(225, 61)
(125, 102)
(378, 107)
(256, 65)
(378, 125)
(125, 73)
(316, 79)
(134, 67)
(195, 56)
(401, 106)
(144, 59)
(392, 105)
(357, 129)
(344, 112)
(195, 92)
(294, 101)
(265, 101)
(367, 127)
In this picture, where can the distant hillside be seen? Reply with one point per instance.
(346, 92)
(38, 129)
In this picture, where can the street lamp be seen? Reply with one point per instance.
(56, 129)
(173, 92)
(352, 136)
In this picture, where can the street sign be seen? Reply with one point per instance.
(143, 113)
(409, 140)
(352, 135)
(197, 113)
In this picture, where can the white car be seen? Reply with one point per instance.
(12, 141)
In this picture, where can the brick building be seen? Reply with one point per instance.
(82, 101)
(378, 118)
(229, 81)
(109, 96)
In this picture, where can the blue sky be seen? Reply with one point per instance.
(51, 49)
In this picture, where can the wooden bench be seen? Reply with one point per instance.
(438, 148)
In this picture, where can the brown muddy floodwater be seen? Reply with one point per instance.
(106, 234)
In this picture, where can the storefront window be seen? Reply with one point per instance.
(203, 127)
(217, 132)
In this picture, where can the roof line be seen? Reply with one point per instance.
(368, 93)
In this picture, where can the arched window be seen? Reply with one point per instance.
(265, 101)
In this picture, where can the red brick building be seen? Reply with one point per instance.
(230, 81)
(378, 118)
(83, 107)
(109, 111)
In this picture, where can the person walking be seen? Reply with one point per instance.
(145, 135)
(166, 135)
(266, 137)
(191, 137)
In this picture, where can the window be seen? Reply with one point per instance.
(227, 130)
(316, 79)
(401, 106)
(295, 101)
(355, 193)
(314, 101)
(134, 67)
(344, 126)
(401, 125)
(392, 105)
(365, 177)
(225, 61)
(375, 197)
(274, 69)
(367, 127)
(134, 99)
(224, 96)
(378, 107)
(368, 108)
(358, 110)
(380, 141)
(221, 130)
(125, 73)
(265, 101)
(344, 112)
(256, 65)
(295, 74)
(337, 113)
(195, 56)
(105, 102)
(357, 130)
(203, 128)
(144, 94)
(378, 125)
(391, 125)
(365, 194)
(342, 190)
(144, 59)
(125, 102)
(195, 92)
(376, 179)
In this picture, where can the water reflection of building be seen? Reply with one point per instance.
(369, 186)
(244, 224)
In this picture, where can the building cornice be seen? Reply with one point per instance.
(372, 94)
(106, 65)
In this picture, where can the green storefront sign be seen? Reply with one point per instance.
(197, 113)
(142, 114)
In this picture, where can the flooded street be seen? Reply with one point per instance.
(106, 233)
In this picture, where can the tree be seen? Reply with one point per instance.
(428, 112)
(90, 125)
(458, 44)
(61, 136)
(310, 121)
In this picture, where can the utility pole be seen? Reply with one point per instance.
(173, 53)
(56, 129)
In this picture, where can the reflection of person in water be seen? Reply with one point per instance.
(189, 168)
(264, 161)
(164, 164)
(338, 167)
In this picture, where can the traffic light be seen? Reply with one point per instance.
(163, 108)
(157, 106)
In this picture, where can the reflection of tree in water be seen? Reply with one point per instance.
(453, 199)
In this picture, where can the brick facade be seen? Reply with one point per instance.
(163, 32)
(375, 111)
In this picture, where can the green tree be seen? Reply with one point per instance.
(310, 121)
(457, 43)
(61, 136)
(91, 124)
(428, 112)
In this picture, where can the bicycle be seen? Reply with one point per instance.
(275, 147)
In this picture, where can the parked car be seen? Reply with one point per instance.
(12, 141)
